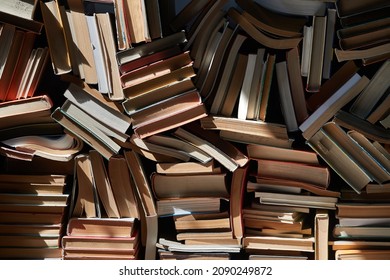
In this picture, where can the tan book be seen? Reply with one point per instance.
(148, 212)
(278, 243)
(56, 38)
(312, 174)
(195, 222)
(178, 186)
(321, 234)
(362, 254)
(103, 185)
(123, 187)
(187, 168)
(85, 201)
(100, 227)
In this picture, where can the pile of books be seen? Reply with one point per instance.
(33, 215)
(197, 129)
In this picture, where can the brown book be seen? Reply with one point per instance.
(237, 194)
(363, 210)
(56, 38)
(281, 154)
(284, 43)
(123, 187)
(100, 227)
(362, 254)
(83, 40)
(103, 243)
(30, 241)
(314, 78)
(376, 53)
(364, 28)
(25, 111)
(234, 88)
(85, 201)
(381, 111)
(31, 253)
(181, 168)
(179, 186)
(265, 129)
(296, 85)
(22, 23)
(187, 13)
(166, 108)
(279, 243)
(327, 89)
(172, 207)
(170, 122)
(365, 40)
(31, 229)
(312, 174)
(203, 222)
(31, 218)
(137, 26)
(148, 213)
(312, 201)
(372, 94)
(103, 185)
(283, 25)
(98, 254)
(347, 8)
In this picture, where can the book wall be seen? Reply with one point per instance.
(209, 129)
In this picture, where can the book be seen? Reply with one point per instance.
(321, 202)
(100, 227)
(314, 77)
(56, 38)
(321, 234)
(203, 222)
(328, 109)
(296, 85)
(285, 97)
(103, 185)
(25, 111)
(188, 205)
(148, 213)
(123, 187)
(281, 154)
(187, 168)
(312, 174)
(278, 243)
(371, 94)
(179, 186)
(362, 210)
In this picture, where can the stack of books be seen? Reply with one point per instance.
(361, 229)
(103, 211)
(33, 215)
(289, 187)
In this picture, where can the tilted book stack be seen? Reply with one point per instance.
(212, 129)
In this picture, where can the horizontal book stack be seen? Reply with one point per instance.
(33, 215)
(289, 191)
(361, 227)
